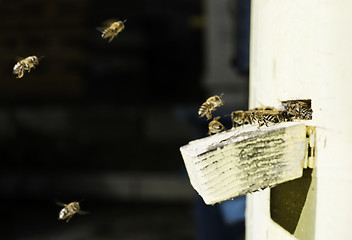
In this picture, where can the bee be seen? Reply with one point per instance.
(69, 210)
(209, 106)
(241, 117)
(25, 64)
(299, 109)
(285, 116)
(263, 117)
(112, 30)
(260, 115)
(215, 126)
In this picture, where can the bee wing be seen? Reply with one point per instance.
(17, 58)
(100, 29)
(81, 212)
(109, 21)
(105, 25)
(60, 203)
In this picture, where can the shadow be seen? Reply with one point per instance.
(293, 203)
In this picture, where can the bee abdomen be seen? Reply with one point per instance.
(63, 213)
(271, 118)
(106, 32)
(204, 109)
(215, 126)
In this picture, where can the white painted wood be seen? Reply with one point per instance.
(303, 49)
(248, 159)
(220, 48)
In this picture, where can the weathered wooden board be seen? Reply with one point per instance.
(237, 162)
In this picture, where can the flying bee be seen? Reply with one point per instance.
(299, 109)
(209, 106)
(69, 210)
(215, 126)
(241, 117)
(25, 64)
(113, 29)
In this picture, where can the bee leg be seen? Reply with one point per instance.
(68, 219)
(265, 122)
(209, 116)
(234, 125)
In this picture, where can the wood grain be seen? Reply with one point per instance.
(245, 160)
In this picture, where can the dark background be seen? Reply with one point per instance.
(100, 122)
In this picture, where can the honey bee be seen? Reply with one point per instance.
(260, 115)
(112, 30)
(25, 65)
(284, 116)
(209, 106)
(241, 117)
(275, 115)
(69, 210)
(263, 117)
(215, 126)
(299, 109)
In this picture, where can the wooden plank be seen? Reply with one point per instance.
(237, 162)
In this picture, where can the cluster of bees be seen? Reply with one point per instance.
(110, 31)
(288, 112)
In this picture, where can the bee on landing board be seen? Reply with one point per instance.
(112, 30)
(69, 210)
(299, 109)
(215, 126)
(25, 64)
(241, 117)
(263, 117)
(285, 116)
(209, 106)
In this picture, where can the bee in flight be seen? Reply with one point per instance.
(215, 126)
(209, 106)
(69, 210)
(25, 64)
(112, 29)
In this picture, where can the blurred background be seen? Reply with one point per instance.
(102, 123)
